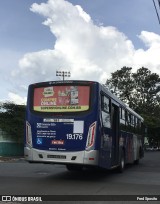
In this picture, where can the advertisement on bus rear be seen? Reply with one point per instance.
(61, 99)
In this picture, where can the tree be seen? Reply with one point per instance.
(146, 96)
(139, 90)
(121, 84)
(12, 119)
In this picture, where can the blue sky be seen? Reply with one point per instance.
(25, 41)
(22, 30)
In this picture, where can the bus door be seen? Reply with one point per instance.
(115, 133)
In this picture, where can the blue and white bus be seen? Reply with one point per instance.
(81, 124)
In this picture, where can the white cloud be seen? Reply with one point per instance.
(83, 14)
(150, 39)
(8, 59)
(16, 98)
(149, 58)
(89, 51)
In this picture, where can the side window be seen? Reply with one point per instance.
(105, 104)
(132, 123)
(136, 124)
(128, 121)
(105, 110)
(139, 126)
(122, 119)
(129, 118)
(123, 114)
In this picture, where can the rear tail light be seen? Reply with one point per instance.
(91, 136)
(28, 134)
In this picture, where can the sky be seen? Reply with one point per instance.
(89, 38)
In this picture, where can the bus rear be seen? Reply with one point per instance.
(61, 123)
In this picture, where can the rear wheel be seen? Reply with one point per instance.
(72, 167)
(136, 161)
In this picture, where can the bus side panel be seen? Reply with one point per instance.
(105, 149)
(126, 144)
(138, 147)
(132, 146)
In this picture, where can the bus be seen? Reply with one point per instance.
(81, 124)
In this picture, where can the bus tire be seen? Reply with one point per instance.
(72, 167)
(122, 162)
(141, 152)
(136, 161)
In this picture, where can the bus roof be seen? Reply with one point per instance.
(63, 82)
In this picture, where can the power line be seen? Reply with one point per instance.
(159, 3)
(156, 9)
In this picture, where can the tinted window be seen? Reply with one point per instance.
(106, 118)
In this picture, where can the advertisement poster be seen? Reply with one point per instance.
(61, 99)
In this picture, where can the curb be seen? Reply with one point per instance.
(8, 159)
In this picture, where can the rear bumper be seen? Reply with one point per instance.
(61, 157)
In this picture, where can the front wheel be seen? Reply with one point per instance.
(122, 163)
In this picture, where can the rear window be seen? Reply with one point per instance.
(61, 99)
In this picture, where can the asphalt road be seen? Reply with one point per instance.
(18, 177)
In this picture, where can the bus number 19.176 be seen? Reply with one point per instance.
(74, 136)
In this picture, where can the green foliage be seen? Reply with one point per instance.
(121, 83)
(12, 119)
(141, 91)
(147, 90)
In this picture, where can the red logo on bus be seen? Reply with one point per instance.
(57, 142)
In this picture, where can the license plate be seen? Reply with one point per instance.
(57, 156)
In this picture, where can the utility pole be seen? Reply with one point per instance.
(63, 74)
